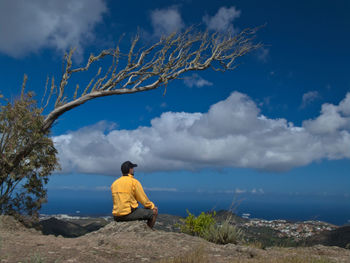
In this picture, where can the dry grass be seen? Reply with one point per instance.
(285, 259)
(223, 234)
(198, 255)
(256, 244)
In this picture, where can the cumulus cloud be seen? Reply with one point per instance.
(196, 81)
(333, 120)
(166, 21)
(309, 97)
(223, 19)
(32, 25)
(233, 133)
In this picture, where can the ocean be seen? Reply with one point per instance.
(331, 209)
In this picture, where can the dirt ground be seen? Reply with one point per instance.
(135, 242)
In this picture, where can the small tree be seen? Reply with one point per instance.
(28, 156)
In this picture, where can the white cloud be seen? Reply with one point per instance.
(236, 191)
(196, 81)
(240, 191)
(102, 188)
(166, 21)
(263, 55)
(309, 97)
(344, 106)
(257, 191)
(160, 189)
(233, 133)
(28, 26)
(334, 120)
(223, 19)
(107, 188)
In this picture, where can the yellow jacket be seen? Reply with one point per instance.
(127, 192)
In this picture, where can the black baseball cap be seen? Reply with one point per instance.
(126, 166)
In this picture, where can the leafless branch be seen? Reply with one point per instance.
(150, 68)
(25, 78)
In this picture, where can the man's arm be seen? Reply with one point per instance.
(141, 196)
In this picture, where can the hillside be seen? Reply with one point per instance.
(339, 237)
(268, 233)
(135, 242)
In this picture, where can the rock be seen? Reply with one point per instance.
(73, 227)
(167, 223)
(94, 226)
(134, 241)
(10, 223)
(120, 227)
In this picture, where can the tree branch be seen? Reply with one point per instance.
(150, 68)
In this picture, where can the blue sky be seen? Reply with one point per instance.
(279, 123)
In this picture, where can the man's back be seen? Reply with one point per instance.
(127, 192)
(122, 189)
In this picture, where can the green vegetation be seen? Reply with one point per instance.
(262, 237)
(197, 226)
(223, 233)
(206, 227)
(28, 157)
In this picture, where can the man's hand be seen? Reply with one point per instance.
(155, 210)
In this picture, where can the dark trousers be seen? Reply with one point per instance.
(136, 214)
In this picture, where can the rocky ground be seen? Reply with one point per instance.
(78, 226)
(135, 242)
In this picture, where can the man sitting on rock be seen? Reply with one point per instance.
(127, 192)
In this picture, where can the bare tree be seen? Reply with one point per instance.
(150, 68)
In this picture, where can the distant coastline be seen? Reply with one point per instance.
(335, 212)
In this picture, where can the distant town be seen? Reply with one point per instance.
(296, 230)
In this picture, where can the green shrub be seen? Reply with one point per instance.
(196, 226)
(206, 227)
(223, 234)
